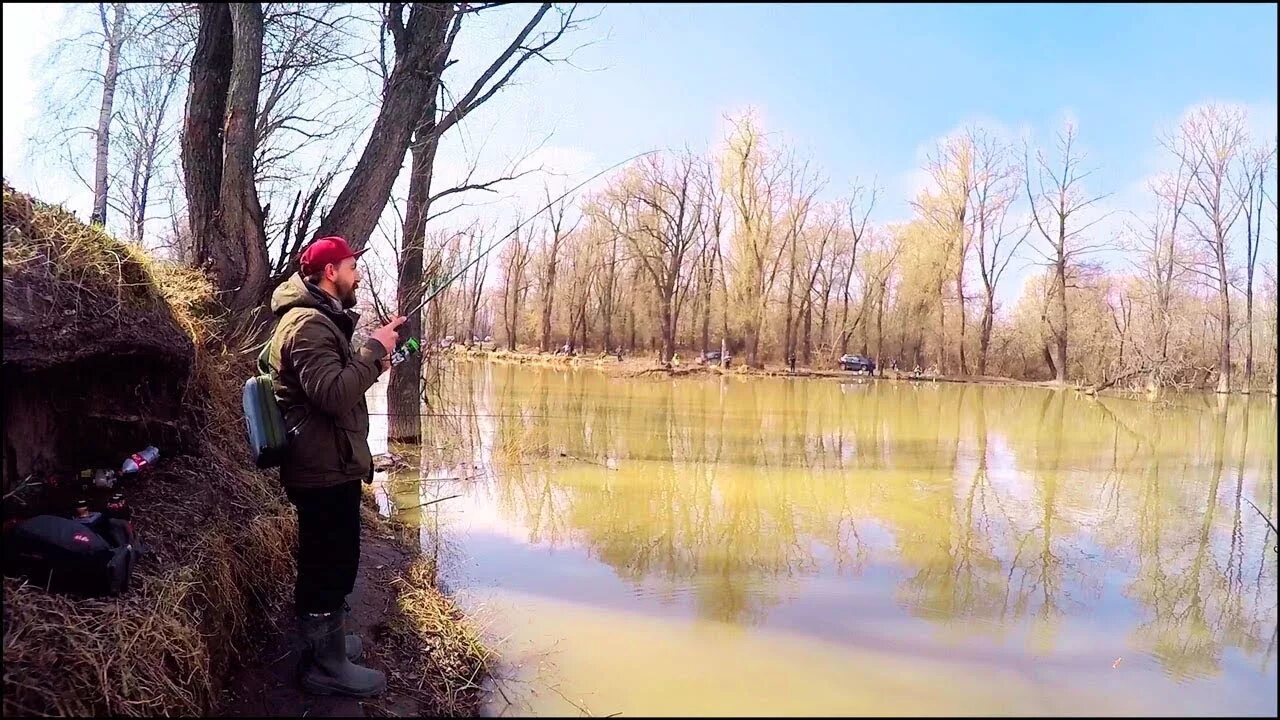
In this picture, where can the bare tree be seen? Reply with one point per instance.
(994, 190)
(816, 247)
(423, 42)
(1251, 191)
(951, 166)
(515, 264)
(145, 136)
(659, 218)
(802, 187)
(113, 34)
(1160, 261)
(1214, 139)
(474, 282)
(102, 46)
(547, 270)
(859, 212)
(753, 182)
(1056, 204)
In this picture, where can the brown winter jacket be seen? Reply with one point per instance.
(320, 384)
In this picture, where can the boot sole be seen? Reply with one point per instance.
(317, 687)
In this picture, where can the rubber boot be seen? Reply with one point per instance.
(355, 646)
(330, 672)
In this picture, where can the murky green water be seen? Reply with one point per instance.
(772, 546)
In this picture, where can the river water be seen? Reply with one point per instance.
(728, 546)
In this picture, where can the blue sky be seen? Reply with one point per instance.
(863, 89)
(866, 88)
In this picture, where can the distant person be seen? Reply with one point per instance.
(320, 383)
(791, 362)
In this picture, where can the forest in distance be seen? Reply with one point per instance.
(679, 251)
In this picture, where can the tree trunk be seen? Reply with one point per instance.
(1224, 310)
(984, 340)
(548, 298)
(1060, 334)
(942, 333)
(668, 325)
(964, 365)
(844, 319)
(404, 392)
(880, 329)
(419, 60)
(753, 347)
(807, 313)
(202, 130)
(706, 319)
(1048, 360)
(789, 329)
(244, 237)
(1248, 322)
(218, 144)
(114, 37)
(515, 313)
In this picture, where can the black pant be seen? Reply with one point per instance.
(328, 545)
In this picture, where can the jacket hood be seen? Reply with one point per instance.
(297, 292)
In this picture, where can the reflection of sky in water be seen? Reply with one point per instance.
(1025, 540)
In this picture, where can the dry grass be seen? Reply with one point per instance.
(43, 239)
(428, 625)
(219, 534)
(439, 656)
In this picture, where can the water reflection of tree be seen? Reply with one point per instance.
(1196, 602)
(727, 488)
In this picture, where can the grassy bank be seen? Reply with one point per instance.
(82, 308)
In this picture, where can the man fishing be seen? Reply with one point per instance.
(320, 383)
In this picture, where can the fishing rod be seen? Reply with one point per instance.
(1266, 520)
(479, 256)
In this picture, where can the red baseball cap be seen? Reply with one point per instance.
(324, 251)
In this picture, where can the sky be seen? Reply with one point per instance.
(863, 90)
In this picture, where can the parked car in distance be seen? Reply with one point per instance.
(857, 363)
(711, 356)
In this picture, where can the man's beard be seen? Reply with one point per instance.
(348, 296)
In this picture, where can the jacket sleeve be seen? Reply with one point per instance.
(327, 383)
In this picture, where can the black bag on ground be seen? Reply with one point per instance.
(68, 556)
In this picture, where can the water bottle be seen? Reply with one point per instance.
(138, 461)
(409, 347)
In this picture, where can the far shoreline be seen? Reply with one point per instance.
(644, 366)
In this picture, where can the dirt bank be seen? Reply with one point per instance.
(105, 352)
(412, 631)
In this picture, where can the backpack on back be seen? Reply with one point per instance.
(267, 436)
